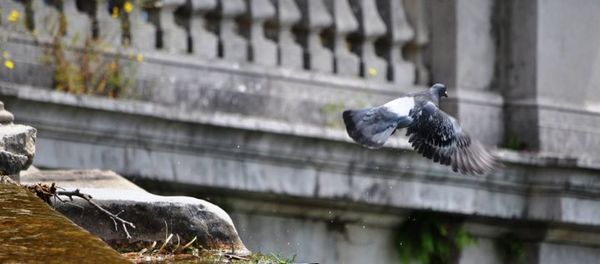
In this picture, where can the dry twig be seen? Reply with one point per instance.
(115, 217)
(45, 192)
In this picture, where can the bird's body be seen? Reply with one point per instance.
(433, 133)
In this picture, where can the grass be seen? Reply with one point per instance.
(172, 249)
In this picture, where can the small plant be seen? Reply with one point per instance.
(90, 69)
(510, 248)
(90, 72)
(9, 20)
(425, 238)
(513, 142)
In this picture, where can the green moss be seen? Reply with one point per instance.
(429, 238)
(515, 143)
(510, 248)
(333, 114)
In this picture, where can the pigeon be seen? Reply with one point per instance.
(430, 131)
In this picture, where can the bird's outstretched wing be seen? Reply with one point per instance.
(439, 137)
(371, 127)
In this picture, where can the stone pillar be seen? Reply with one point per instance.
(261, 50)
(109, 27)
(463, 56)
(232, 46)
(174, 37)
(418, 17)
(205, 43)
(46, 20)
(143, 34)
(289, 53)
(17, 145)
(315, 19)
(398, 34)
(371, 28)
(78, 24)
(554, 67)
(344, 23)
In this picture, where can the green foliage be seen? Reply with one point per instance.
(513, 142)
(510, 248)
(89, 71)
(430, 238)
(92, 69)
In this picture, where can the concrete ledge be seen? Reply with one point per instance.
(125, 136)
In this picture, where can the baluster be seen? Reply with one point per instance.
(398, 34)
(261, 50)
(232, 46)
(109, 27)
(142, 31)
(416, 13)
(344, 22)
(13, 16)
(78, 24)
(315, 19)
(174, 37)
(371, 28)
(289, 52)
(205, 43)
(46, 19)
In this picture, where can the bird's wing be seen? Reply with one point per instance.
(371, 127)
(439, 137)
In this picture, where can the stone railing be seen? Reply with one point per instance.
(360, 38)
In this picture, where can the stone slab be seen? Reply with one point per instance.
(153, 215)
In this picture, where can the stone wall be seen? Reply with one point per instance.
(241, 101)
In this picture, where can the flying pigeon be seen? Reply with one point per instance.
(431, 132)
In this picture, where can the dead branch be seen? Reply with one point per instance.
(88, 198)
(45, 192)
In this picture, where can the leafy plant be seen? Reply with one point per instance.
(513, 142)
(430, 238)
(90, 70)
(510, 248)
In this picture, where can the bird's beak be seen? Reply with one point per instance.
(445, 94)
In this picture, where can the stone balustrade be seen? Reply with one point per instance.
(339, 37)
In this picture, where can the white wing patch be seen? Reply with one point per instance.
(400, 106)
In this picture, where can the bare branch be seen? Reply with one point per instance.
(88, 198)
(46, 192)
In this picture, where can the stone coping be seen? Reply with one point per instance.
(143, 108)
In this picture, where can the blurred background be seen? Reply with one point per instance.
(239, 102)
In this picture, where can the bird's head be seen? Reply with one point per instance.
(439, 90)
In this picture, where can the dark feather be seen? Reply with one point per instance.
(438, 136)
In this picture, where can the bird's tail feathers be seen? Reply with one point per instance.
(371, 127)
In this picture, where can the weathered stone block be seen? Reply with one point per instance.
(17, 148)
(153, 215)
